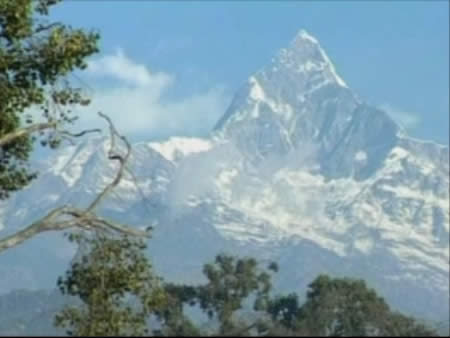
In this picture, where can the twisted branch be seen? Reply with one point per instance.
(67, 217)
(10, 137)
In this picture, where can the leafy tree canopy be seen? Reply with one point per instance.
(115, 282)
(120, 293)
(36, 57)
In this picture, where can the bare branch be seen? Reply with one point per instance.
(42, 27)
(57, 220)
(66, 217)
(8, 138)
(80, 217)
(44, 224)
(81, 133)
(108, 225)
(112, 156)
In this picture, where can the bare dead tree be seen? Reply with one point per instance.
(67, 217)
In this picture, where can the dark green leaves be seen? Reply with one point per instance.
(35, 59)
(116, 285)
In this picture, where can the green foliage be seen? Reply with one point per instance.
(333, 307)
(173, 320)
(346, 307)
(115, 268)
(284, 310)
(36, 56)
(116, 285)
(231, 283)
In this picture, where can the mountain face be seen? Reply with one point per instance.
(298, 170)
(299, 100)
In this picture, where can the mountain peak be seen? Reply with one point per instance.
(303, 35)
(299, 100)
(285, 86)
(305, 55)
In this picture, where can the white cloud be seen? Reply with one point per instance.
(133, 99)
(122, 68)
(408, 120)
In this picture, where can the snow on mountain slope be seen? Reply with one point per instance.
(298, 170)
(180, 145)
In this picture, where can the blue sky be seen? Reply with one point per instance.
(171, 68)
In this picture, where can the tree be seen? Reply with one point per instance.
(116, 285)
(283, 310)
(36, 58)
(346, 307)
(116, 268)
(174, 322)
(232, 283)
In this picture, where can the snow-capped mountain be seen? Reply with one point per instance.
(298, 170)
